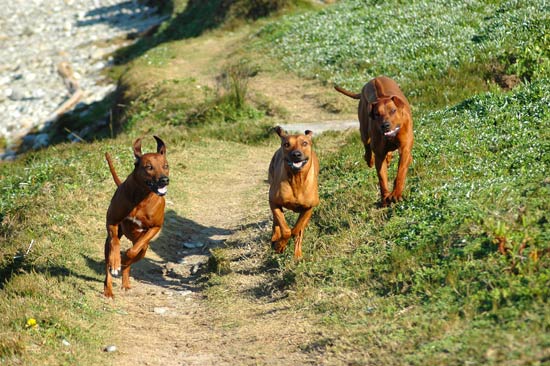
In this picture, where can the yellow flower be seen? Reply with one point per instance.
(31, 323)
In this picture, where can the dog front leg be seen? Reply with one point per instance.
(405, 159)
(135, 253)
(382, 172)
(298, 231)
(112, 253)
(281, 231)
(108, 283)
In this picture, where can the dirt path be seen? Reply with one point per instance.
(166, 319)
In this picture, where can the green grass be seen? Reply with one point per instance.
(419, 283)
(439, 51)
(47, 266)
(424, 279)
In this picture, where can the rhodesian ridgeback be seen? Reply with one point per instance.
(293, 173)
(385, 122)
(136, 211)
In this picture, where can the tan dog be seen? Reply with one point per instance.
(385, 122)
(293, 173)
(136, 211)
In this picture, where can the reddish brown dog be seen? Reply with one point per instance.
(385, 122)
(293, 173)
(136, 211)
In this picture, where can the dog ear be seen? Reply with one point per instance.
(137, 148)
(280, 131)
(309, 133)
(398, 101)
(161, 148)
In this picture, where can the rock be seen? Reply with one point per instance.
(193, 244)
(38, 35)
(41, 140)
(110, 348)
(160, 310)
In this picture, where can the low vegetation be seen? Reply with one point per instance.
(456, 274)
(440, 52)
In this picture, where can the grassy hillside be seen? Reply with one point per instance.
(457, 274)
(439, 51)
(424, 280)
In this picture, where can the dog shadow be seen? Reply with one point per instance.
(181, 252)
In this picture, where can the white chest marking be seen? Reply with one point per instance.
(136, 221)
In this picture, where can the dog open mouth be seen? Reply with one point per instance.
(392, 133)
(297, 165)
(158, 188)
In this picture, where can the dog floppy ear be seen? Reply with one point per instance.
(280, 131)
(308, 133)
(161, 148)
(137, 149)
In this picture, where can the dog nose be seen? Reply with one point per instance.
(386, 126)
(296, 154)
(164, 180)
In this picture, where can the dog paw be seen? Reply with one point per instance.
(393, 198)
(115, 264)
(279, 246)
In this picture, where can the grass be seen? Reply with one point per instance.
(440, 52)
(427, 274)
(456, 274)
(46, 267)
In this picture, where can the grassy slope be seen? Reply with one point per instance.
(420, 282)
(423, 282)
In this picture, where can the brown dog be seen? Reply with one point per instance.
(292, 179)
(385, 122)
(136, 211)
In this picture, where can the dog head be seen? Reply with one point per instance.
(152, 168)
(387, 115)
(296, 149)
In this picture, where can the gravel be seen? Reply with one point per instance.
(36, 36)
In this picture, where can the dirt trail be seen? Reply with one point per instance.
(218, 194)
(165, 319)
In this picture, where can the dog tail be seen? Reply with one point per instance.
(347, 93)
(112, 169)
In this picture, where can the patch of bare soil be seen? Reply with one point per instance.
(166, 318)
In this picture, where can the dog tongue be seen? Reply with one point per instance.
(298, 164)
(163, 190)
(392, 132)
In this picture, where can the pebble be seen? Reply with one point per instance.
(36, 35)
(160, 311)
(193, 245)
(110, 348)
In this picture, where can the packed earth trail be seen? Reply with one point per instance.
(165, 319)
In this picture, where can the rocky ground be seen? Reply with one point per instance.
(53, 52)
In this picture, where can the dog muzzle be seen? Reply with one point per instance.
(296, 166)
(392, 133)
(159, 186)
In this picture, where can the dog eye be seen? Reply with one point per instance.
(393, 111)
(286, 144)
(149, 167)
(304, 143)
